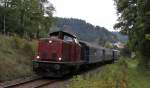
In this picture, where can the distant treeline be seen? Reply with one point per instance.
(27, 18)
(86, 31)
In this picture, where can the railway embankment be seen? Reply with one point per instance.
(15, 57)
(122, 74)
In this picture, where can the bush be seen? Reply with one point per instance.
(110, 76)
(15, 57)
(123, 74)
(16, 42)
(27, 48)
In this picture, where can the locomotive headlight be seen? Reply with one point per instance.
(59, 58)
(50, 41)
(38, 57)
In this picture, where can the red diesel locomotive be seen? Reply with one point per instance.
(63, 53)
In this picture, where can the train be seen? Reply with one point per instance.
(62, 52)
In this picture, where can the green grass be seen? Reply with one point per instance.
(123, 74)
(15, 57)
(138, 78)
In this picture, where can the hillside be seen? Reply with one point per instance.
(121, 37)
(85, 31)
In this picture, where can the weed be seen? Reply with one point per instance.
(15, 57)
(123, 74)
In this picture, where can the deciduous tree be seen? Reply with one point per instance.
(134, 20)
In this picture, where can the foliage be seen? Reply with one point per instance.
(25, 17)
(123, 38)
(147, 36)
(15, 57)
(134, 20)
(123, 74)
(125, 52)
(108, 45)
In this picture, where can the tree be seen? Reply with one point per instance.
(134, 20)
(26, 17)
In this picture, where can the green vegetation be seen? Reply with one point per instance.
(123, 74)
(121, 37)
(15, 57)
(26, 18)
(134, 20)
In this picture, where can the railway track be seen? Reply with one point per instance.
(45, 84)
(38, 82)
(33, 84)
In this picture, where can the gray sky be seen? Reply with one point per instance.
(96, 12)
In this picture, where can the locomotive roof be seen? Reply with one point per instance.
(63, 32)
(94, 45)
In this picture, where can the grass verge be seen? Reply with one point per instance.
(15, 57)
(123, 74)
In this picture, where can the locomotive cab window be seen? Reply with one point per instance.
(54, 36)
(68, 38)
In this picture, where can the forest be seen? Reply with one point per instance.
(33, 18)
(82, 29)
(26, 18)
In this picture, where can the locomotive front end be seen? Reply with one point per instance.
(49, 49)
(49, 54)
(56, 54)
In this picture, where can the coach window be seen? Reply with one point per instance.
(68, 39)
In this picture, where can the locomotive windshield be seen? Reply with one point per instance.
(54, 36)
(68, 38)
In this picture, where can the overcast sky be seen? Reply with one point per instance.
(96, 12)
